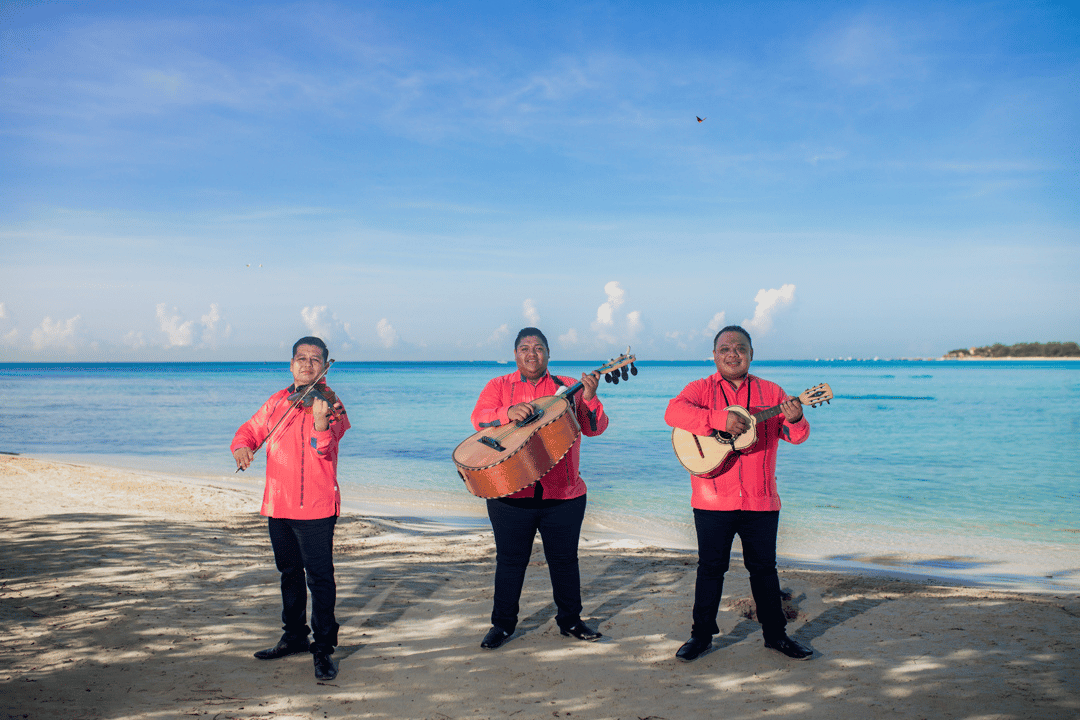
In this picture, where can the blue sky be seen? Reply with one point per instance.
(212, 180)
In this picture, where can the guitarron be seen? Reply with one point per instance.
(701, 454)
(500, 461)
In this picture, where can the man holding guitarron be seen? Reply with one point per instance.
(554, 504)
(739, 497)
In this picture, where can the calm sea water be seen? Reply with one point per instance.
(943, 464)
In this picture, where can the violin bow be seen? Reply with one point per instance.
(289, 411)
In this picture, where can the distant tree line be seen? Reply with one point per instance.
(1019, 350)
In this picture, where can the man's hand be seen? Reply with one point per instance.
(320, 410)
(792, 410)
(243, 457)
(589, 382)
(736, 424)
(519, 412)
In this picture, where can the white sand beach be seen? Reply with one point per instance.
(127, 594)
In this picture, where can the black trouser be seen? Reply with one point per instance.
(716, 529)
(559, 523)
(303, 551)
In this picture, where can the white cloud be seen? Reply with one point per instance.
(718, 321)
(570, 338)
(211, 334)
(500, 332)
(325, 325)
(606, 322)
(676, 337)
(54, 334)
(211, 318)
(11, 337)
(315, 322)
(769, 303)
(179, 333)
(134, 340)
(528, 309)
(605, 313)
(387, 334)
(3, 311)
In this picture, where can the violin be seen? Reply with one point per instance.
(304, 397)
(320, 390)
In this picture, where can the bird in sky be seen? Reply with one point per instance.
(701, 119)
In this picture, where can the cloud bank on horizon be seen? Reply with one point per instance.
(418, 181)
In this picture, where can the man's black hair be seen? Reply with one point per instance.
(531, 332)
(733, 328)
(317, 342)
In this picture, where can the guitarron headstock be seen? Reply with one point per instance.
(615, 370)
(817, 395)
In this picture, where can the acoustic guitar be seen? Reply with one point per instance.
(500, 461)
(701, 454)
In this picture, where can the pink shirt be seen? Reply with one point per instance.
(562, 482)
(747, 481)
(301, 462)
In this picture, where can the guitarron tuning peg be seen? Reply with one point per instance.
(633, 369)
(625, 373)
(607, 377)
(615, 377)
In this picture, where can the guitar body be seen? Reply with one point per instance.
(528, 453)
(701, 454)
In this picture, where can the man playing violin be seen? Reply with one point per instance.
(739, 497)
(554, 505)
(301, 501)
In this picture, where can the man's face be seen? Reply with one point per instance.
(306, 364)
(732, 355)
(531, 356)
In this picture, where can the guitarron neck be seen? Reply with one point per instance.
(571, 389)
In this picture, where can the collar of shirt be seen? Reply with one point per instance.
(542, 378)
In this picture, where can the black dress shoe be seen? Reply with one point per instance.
(581, 631)
(324, 666)
(284, 648)
(789, 647)
(495, 637)
(694, 648)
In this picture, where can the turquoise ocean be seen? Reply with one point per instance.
(928, 468)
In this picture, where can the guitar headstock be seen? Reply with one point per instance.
(615, 370)
(817, 395)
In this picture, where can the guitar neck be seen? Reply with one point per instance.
(813, 397)
(766, 414)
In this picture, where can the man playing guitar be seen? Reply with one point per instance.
(740, 496)
(554, 505)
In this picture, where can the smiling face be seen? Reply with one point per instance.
(306, 364)
(531, 355)
(732, 355)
